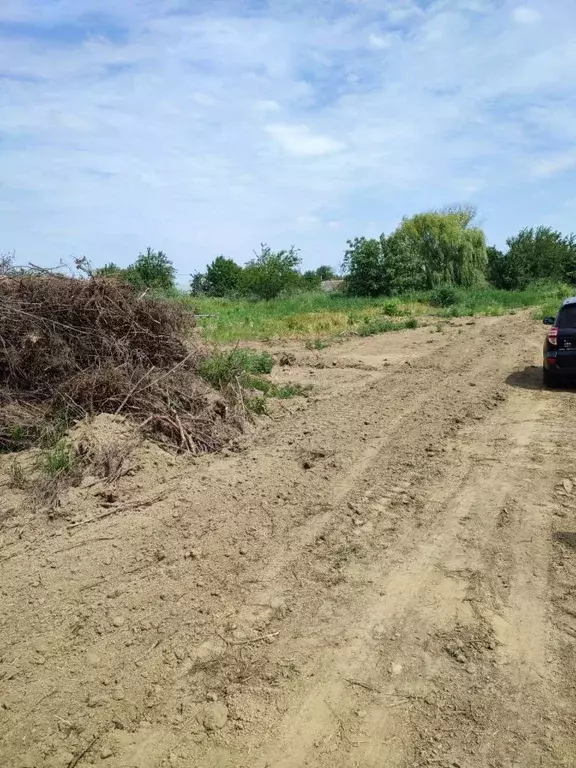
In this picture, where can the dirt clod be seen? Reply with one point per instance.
(215, 716)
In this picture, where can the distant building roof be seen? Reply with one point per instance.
(330, 286)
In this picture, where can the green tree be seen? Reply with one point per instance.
(198, 285)
(222, 277)
(365, 267)
(496, 269)
(403, 264)
(325, 272)
(152, 269)
(109, 270)
(271, 273)
(311, 280)
(450, 251)
(534, 254)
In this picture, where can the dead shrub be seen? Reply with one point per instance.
(73, 347)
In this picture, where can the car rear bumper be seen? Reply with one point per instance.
(562, 360)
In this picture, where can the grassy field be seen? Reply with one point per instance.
(318, 318)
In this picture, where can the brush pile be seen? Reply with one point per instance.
(74, 347)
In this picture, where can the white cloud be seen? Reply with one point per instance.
(526, 15)
(380, 42)
(308, 221)
(300, 141)
(211, 131)
(554, 164)
(268, 106)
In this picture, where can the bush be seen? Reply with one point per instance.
(311, 280)
(271, 273)
(268, 388)
(391, 309)
(152, 269)
(257, 404)
(533, 254)
(445, 296)
(238, 368)
(224, 368)
(222, 277)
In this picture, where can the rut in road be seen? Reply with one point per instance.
(385, 578)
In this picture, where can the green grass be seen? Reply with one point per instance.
(226, 367)
(304, 316)
(495, 302)
(317, 344)
(270, 389)
(245, 369)
(59, 460)
(375, 326)
(318, 318)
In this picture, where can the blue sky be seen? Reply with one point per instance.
(209, 127)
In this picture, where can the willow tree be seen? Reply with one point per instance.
(449, 250)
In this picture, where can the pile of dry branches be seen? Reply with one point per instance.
(74, 347)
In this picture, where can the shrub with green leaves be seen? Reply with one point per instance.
(391, 309)
(271, 273)
(222, 278)
(533, 254)
(226, 367)
(444, 296)
(152, 269)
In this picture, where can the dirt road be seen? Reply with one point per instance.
(385, 576)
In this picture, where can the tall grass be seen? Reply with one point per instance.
(319, 315)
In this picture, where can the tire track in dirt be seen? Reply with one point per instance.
(296, 736)
(412, 389)
(418, 599)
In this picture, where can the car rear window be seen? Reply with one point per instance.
(567, 317)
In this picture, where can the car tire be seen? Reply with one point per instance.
(550, 378)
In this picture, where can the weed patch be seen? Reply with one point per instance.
(376, 326)
(316, 317)
(224, 368)
(238, 370)
(317, 344)
(444, 296)
(257, 405)
(59, 460)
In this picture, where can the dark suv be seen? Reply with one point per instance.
(560, 345)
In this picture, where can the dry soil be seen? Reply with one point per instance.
(385, 575)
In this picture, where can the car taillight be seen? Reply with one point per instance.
(553, 336)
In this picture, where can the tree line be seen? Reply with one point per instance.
(268, 275)
(445, 248)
